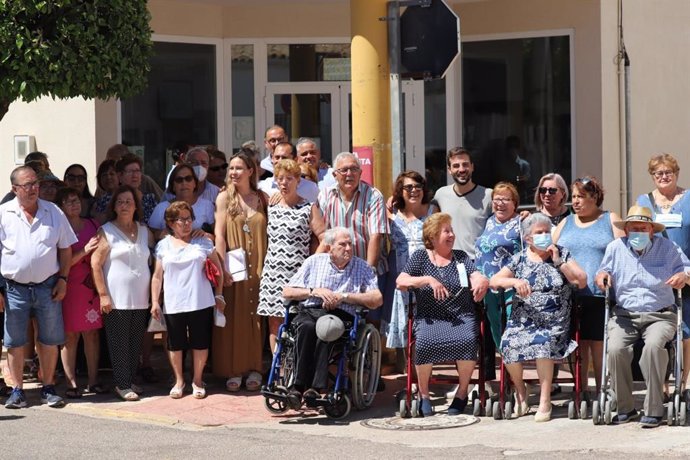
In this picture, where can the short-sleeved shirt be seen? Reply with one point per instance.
(306, 188)
(30, 250)
(204, 213)
(185, 286)
(639, 280)
(469, 213)
(210, 193)
(365, 216)
(319, 272)
(497, 244)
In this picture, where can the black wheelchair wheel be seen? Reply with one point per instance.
(276, 405)
(339, 408)
(367, 367)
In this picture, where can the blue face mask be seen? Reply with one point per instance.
(542, 241)
(638, 240)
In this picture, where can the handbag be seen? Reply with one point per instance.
(211, 272)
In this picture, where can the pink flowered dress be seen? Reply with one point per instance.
(81, 310)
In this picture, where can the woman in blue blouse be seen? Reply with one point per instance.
(411, 202)
(496, 245)
(670, 205)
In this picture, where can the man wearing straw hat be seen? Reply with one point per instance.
(643, 271)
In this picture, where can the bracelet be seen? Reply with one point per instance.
(63, 278)
(559, 264)
(221, 298)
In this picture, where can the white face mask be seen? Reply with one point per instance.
(200, 172)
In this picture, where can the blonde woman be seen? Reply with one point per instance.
(241, 219)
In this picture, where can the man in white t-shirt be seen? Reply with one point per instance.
(469, 205)
(36, 243)
(198, 158)
(306, 188)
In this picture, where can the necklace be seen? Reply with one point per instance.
(666, 204)
(131, 232)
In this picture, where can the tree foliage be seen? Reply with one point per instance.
(69, 48)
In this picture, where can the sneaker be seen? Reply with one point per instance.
(457, 407)
(425, 407)
(650, 422)
(16, 400)
(50, 397)
(620, 419)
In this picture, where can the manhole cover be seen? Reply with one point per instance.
(437, 422)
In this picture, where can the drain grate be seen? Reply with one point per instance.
(437, 422)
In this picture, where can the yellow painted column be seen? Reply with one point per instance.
(371, 128)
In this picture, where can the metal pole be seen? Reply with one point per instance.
(628, 141)
(397, 125)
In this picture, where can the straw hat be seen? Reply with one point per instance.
(641, 214)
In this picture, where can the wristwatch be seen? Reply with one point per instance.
(345, 296)
(559, 264)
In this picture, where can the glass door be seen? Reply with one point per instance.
(308, 110)
(323, 111)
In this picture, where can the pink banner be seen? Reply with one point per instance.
(366, 160)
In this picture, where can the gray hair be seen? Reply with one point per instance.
(534, 219)
(15, 172)
(305, 140)
(197, 149)
(332, 233)
(344, 155)
(560, 182)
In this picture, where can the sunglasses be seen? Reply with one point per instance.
(218, 168)
(547, 190)
(180, 179)
(410, 187)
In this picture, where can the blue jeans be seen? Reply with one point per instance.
(22, 300)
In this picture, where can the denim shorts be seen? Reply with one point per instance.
(22, 300)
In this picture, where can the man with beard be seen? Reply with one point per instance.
(469, 204)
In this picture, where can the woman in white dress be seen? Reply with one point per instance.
(291, 223)
(121, 274)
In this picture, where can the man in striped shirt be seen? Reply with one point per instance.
(358, 206)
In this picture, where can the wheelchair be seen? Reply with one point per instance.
(356, 356)
(676, 409)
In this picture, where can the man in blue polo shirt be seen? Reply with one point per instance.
(643, 271)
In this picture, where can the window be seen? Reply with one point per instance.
(177, 108)
(320, 62)
(242, 68)
(516, 110)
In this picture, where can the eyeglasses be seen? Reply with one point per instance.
(75, 177)
(501, 200)
(28, 186)
(547, 190)
(410, 187)
(275, 140)
(184, 220)
(219, 167)
(348, 169)
(124, 202)
(180, 179)
(660, 174)
(131, 172)
(72, 202)
(587, 184)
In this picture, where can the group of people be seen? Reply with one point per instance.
(231, 238)
(479, 239)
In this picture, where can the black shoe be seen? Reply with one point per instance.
(457, 407)
(310, 396)
(620, 419)
(294, 399)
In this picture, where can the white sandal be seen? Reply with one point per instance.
(127, 394)
(177, 392)
(199, 392)
(253, 382)
(233, 384)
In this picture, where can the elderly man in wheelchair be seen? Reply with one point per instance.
(643, 269)
(333, 291)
